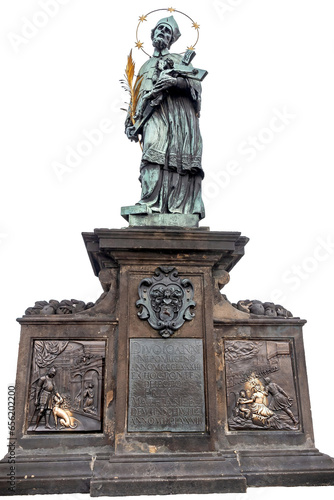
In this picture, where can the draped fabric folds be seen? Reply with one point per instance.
(171, 168)
(46, 351)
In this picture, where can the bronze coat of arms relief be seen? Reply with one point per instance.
(166, 301)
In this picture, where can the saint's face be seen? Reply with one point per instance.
(163, 34)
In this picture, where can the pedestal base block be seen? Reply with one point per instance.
(163, 220)
(162, 386)
(167, 475)
(287, 468)
(46, 475)
(101, 475)
(142, 216)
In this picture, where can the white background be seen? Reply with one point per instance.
(263, 57)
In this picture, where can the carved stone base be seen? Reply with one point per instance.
(126, 476)
(166, 475)
(162, 386)
(287, 468)
(99, 475)
(42, 474)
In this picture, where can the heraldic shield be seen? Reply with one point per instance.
(166, 301)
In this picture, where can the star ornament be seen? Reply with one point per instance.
(139, 44)
(196, 26)
(191, 48)
(143, 18)
(171, 9)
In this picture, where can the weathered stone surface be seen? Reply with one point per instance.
(108, 247)
(239, 444)
(46, 308)
(258, 308)
(165, 475)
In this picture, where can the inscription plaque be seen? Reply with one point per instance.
(166, 386)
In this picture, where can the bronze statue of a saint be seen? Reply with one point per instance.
(171, 167)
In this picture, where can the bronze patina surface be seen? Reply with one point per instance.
(166, 386)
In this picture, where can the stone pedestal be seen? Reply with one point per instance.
(165, 386)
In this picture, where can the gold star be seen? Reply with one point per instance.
(171, 9)
(196, 26)
(139, 44)
(191, 48)
(143, 18)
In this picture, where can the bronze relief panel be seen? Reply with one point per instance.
(66, 388)
(261, 393)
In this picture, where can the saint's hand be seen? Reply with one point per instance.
(130, 133)
(164, 83)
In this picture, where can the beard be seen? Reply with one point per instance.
(159, 43)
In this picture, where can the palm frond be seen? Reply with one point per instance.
(136, 93)
(132, 88)
(130, 69)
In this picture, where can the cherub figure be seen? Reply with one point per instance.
(243, 410)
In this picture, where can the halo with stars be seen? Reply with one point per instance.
(171, 10)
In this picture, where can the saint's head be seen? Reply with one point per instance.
(165, 33)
